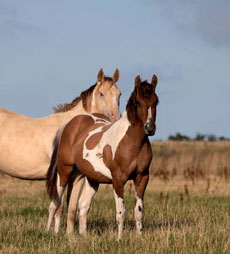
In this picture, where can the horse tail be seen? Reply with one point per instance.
(51, 176)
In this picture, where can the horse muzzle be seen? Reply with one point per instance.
(114, 116)
(150, 128)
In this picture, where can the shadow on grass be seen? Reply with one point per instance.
(101, 226)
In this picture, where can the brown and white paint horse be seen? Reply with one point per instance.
(105, 152)
(26, 144)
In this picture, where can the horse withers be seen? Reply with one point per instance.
(105, 152)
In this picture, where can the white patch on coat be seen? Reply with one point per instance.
(111, 137)
(60, 189)
(99, 119)
(120, 207)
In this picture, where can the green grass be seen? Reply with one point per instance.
(197, 224)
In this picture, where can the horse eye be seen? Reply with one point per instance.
(101, 94)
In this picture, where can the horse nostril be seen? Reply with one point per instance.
(150, 126)
(114, 116)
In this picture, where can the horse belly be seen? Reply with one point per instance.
(23, 147)
(25, 168)
(23, 161)
(99, 166)
(25, 173)
(94, 168)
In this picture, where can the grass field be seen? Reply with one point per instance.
(191, 159)
(184, 212)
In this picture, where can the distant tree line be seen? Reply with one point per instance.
(199, 137)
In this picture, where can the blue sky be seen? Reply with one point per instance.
(52, 50)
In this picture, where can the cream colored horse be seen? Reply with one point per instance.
(26, 143)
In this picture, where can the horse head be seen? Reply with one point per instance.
(106, 96)
(141, 107)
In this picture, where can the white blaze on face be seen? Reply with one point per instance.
(111, 137)
(93, 103)
(115, 100)
(149, 115)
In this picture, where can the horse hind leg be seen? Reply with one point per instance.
(73, 196)
(88, 192)
(58, 215)
(59, 211)
(55, 204)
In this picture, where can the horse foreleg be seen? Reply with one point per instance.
(88, 192)
(120, 207)
(140, 181)
(73, 197)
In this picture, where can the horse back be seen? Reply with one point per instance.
(83, 124)
(77, 130)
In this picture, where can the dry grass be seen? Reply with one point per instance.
(183, 214)
(191, 159)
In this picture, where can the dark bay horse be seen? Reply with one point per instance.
(105, 152)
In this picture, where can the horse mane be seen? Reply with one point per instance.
(145, 90)
(131, 108)
(83, 96)
(68, 106)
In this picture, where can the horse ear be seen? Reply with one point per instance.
(154, 81)
(100, 75)
(116, 75)
(137, 80)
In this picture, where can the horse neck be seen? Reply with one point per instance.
(78, 109)
(135, 131)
